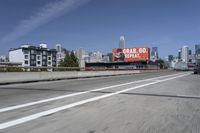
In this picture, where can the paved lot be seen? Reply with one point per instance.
(150, 102)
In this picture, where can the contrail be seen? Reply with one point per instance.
(44, 15)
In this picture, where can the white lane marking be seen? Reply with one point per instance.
(55, 110)
(76, 94)
(190, 96)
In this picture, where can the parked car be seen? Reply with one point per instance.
(197, 69)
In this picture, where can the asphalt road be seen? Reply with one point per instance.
(163, 102)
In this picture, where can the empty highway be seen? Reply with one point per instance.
(161, 102)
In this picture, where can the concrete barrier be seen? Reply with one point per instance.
(17, 77)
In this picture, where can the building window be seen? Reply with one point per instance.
(44, 52)
(49, 58)
(54, 53)
(26, 62)
(38, 52)
(44, 63)
(33, 57)
(49, 63)
(38, 62)
(49, 53)
(54, 58)
(38, 57)
(44, 57)
(54, 63)
(33, 62)
(26, 52)
(25, 56)
(32, 51)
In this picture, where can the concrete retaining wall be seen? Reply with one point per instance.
(14, 77)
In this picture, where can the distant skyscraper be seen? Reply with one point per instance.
(154, 53)
(110, 56)
(122, 42)
(190, 56)
(179, 54)
(197, 53)
(60, 53)
(80, 53)
(58, 48)
(185, 54)
(170, 58)
(197, 49)
(190, 52)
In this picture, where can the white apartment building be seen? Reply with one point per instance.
(34, 56)
(61, 53)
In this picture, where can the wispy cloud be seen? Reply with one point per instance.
(45, 14)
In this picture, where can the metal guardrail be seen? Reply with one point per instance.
(118, 69)
(57, 69)
(37, 69)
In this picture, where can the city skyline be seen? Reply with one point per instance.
(97, 25)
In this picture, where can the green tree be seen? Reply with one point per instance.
(74, 60)
(162, 64)
(62, 63)
(70, 60)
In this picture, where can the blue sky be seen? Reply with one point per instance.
(97, 24)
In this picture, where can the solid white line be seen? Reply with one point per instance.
(76, 94)
(188, 96)
(55, 110)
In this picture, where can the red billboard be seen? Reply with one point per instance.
(130, 54)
